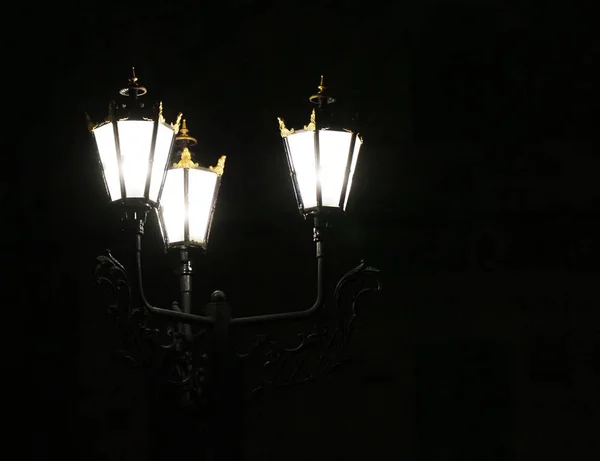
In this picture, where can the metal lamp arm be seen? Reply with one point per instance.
(319, 227)
(319, 302)
(175, 315)
(312, 353)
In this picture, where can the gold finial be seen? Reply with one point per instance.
(312, 125)
(111, 115)
(133, 84)
(321, 98)
(161, 118)
(175, 125)
(186, 160)
(91, 125)
(133, 80)
(284, 131)
(220, 166)
(321, 86)
(184, 131)
(184, 134)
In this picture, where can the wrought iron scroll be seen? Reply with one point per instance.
(164, 352)
(289, 361)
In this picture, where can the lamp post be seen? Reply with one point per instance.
(195, 353)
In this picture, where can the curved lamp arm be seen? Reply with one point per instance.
(319, 302)
(175, 315)
(192, 318)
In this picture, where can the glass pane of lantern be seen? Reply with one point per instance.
(135, 140)
(105, 140)
(357, 146)
(162, 149)
(302, 151)
(334, 148)
(201, 190)
(172, 206)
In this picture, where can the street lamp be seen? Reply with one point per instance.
(186, 209)
(133, 145)
(189, 197)
(322, 160)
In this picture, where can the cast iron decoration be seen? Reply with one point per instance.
(192, 353)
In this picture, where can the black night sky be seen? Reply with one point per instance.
(476, 195)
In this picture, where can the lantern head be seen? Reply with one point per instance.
(134, 144)
(322, 160)
(189, 198)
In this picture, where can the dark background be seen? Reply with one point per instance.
(476, 195)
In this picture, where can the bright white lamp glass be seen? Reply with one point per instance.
(357, 146)
(135, 142)
(162, 150)
(202, 186)
(105, 140)
(334, 148)
(172, 204)
(302, 152)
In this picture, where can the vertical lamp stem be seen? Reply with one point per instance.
(319, 235)
(185, 286)
(221, 385)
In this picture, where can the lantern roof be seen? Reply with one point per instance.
(134, 110)
(321, 98)
(319, 115)
(186, 141)
(184, 135)
(133, 85)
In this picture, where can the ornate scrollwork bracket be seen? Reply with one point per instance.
(110, 272)
(155, 349)
(309, 355)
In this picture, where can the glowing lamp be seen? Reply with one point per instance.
(134, 148)
(189, 198)
(321, 160)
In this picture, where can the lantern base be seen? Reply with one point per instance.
(189, 245)
(323, 211)
(133, 216)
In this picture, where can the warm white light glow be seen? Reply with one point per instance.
(176, 214)
(162, 149)
(357, 146)
(201, 191)
(334, 148)
(105, 140)
(135, 142)
(302, 152)
(135, 139)
(172, 205)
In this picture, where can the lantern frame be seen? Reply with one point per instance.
(135, 111)
(318, 124)
(186, 164)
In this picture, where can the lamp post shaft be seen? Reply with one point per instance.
(318, 235)
(185, 287)
(224, 386)
(223, 403)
